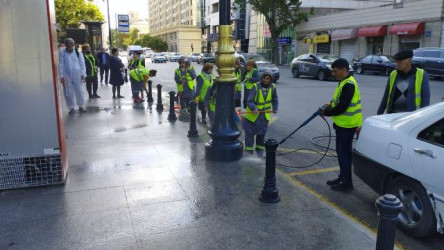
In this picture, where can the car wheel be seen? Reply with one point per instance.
(417, 218)
(295, 72)
(388, 71)
(359, 70)
(321, 75)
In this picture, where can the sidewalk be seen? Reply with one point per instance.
(135, 181)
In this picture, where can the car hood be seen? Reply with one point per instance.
(266, 65)
(388, 118)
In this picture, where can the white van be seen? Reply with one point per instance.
(131, 49)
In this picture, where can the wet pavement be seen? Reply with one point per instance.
(136, 181)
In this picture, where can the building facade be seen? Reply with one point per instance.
(383, 30)
(177, 23)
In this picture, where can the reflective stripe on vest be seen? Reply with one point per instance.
(352, 117)
(92, 62)
(136, 75)
(418, 84)
(207, 82)
(189, 80)
(262, 104)
(238, 81)
(248, 84)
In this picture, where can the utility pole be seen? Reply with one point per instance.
(109, 26)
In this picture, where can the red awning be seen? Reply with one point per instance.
(373, 31)
(407, 29)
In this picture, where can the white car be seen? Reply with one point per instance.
(403, 154)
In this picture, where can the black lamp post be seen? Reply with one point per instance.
(224, 145)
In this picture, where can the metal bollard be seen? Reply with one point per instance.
(389, 207)
(172, 116)
(150, 92)
(270, 192)
(193, 129)
(159, 106)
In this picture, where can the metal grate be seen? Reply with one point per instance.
(30, 171)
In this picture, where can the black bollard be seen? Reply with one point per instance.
(389, 207)
(270, 192)
(159, 106)
(193, 129)
(150, 91)
(172, 116)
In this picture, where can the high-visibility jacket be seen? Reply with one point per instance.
(248, 84)
(212, 101)
(136, 64)
(189, 80)
(238, 81)
(92, 61)
(262, 103)
(138, 74)
(418, 85)
(352, 117)
(207, 83)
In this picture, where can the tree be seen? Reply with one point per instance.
(132, 38)
(121, 37)
(70, 13)
(155, 43)
(279, 15)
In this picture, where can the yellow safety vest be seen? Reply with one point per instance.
(189, 80)
(238, 81)
(207, 83)
(139, 63)
(262, 104)
(212, 102)
(248, 84)
(418, 85)
(138, 73)
(92, 62)
(352, 117)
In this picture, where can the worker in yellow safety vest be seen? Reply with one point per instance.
(407, 87)
(139, 77)
(238, 86)
(346, 112)
(250, 77)
(262, 100)
(184, 77)
(204, 82)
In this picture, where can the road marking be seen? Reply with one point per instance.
(373, 231)
(314, 171)
(288, 150)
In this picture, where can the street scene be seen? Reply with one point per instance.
(204, 124)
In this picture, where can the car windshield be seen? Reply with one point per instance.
(159, 54)
(207, 55)
(387, 59)
(328, 58)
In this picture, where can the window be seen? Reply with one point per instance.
(432, 53)
(367, 59)
(376, 59)
(215, 7)
(302, 57)
(433, 134)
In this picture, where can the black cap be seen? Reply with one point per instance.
(403, 54)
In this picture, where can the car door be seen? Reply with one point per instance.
(377, 64)
(302, 65)
(366, 63)
(432, 64)
(426, 153)
(312, 63)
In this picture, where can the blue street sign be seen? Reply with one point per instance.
(428, 33)
(123, 23)
(284, 40)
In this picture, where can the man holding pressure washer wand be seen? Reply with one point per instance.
(346, 112)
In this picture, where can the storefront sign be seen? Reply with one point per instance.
(428, 33)
(322, 39)
(293, 46)
(284, 40)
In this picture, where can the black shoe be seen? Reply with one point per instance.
(120, 96)
(114, 97)
(96, 96)
(333, 182)
(91, 96)
(343, 186)
(72, 111)
(82, 110)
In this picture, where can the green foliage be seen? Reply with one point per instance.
(70, 13)
(132, 38)
(121, 37)
(279, 14)
(144, 40)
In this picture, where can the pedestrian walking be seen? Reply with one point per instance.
(250, 77)
(116, 68)
(103, 58)
(346, 112)
(184, 77)
(407, 87)
(204, 82)
(72, 75)
(238, 86)
(92, 81)
(261, 101)
(139, 77)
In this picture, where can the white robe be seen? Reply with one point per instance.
(72, 68)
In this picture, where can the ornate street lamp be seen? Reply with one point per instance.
(224, 145)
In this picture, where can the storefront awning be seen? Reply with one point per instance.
(407, 29)
(373, 31)
(344, 34)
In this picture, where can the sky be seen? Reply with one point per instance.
(122, 7)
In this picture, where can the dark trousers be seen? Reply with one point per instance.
(249, 142)
(202, 110)
(136, 87)
(344, 147)
(237, 103)
(106, 71)
(184, 102)
(92, 83)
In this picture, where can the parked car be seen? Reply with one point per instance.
(206, 57)
(262, 65)
(431, 60)
(149, 53)
(159, 57)
(193, 57)
(130, 50)
(316, 65)
(375, 64)
(167, 55)
(175, 57)
(403, 154)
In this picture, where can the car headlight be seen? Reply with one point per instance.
(328, 66)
